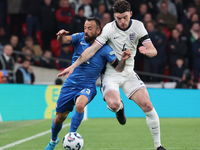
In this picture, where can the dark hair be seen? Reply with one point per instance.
(25, 59)
(121, 6)
(97, 21)
(80, 8)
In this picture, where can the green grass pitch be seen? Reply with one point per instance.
(106, 134)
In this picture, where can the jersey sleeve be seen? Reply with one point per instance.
(143, 34)
(104, 36)
(76, 37)
(109, 53)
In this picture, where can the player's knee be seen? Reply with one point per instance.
(80, 107)
(147, 106)
(114, 105)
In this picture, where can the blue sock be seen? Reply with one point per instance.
(55, 130)
(76, 121)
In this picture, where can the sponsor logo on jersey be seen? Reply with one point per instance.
(116, 37)
(82, 43)
(132, 37)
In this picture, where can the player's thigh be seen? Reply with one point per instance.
(86, 95)
(109, 83)
(141, 98)
(66, 99)
(112, 97)
(131, 83)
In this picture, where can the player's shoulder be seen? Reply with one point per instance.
(109, 26)
(136, 22)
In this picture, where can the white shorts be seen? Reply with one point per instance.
(128, 80)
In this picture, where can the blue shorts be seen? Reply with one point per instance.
(68, 95)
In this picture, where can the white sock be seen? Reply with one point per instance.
(153, 123)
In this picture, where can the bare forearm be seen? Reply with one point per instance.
(151, 52)
(63, 39)
(121, 65)
(87, 54)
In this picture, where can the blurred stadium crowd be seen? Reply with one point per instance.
(30, 27)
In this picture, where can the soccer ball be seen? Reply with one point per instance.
(73, 141)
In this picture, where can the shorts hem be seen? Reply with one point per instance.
(141, 87)
(108, 91)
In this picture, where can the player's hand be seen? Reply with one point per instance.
(67, 71)
(62, 32)
(126, 54)
(142, 50)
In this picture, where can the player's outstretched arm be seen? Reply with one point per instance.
(62, 38)
(119, 65)
(148, 49)
(87, 54)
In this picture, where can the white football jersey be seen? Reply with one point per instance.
(119, 39)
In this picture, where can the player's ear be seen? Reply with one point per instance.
(98, 31)
(131, 13)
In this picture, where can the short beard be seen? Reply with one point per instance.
(90, 38)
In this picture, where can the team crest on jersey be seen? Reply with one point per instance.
(132, 37)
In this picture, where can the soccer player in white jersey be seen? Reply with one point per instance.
(121, 34)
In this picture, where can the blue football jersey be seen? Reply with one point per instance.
(88, 72)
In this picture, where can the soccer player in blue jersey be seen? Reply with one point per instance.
(79, 89)
(125, 33)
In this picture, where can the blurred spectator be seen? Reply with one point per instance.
(192, 36)
(193, 18)
(77, 22)
(7, 62)
(166, 16)
(170, 7)
(180, 9)
(35, 47)
(182, 35)
(64, 15)
(65, 54)
(17, 18)
(196, 58)
(46, 61)
(186, 16)
(186, 81)
(48, 23)
(142, 11)
(88, 8)
(32, 11)
(3, 76)
(24, 74)
(196, 4)
(3, 37)
(100, 10)
(58, 81)
(178, 69)
(158, 63)
(106, 18)
(14, 42)
(152, 8)
(147, 18)
(177, 49)
(150, 26)
(28, 54)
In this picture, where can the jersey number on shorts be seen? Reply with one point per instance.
(86, 91)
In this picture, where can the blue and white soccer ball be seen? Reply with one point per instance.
(73, 141)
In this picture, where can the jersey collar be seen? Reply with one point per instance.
(125, 29)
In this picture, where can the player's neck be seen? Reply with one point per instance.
(126, 28)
